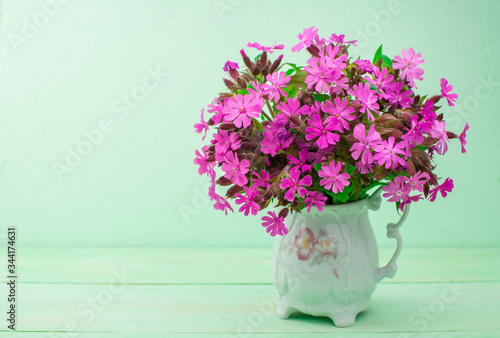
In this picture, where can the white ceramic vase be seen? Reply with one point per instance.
(327, 264)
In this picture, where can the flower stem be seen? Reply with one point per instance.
(270, 109)
(266, 116)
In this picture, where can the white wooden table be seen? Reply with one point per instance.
(159, 292)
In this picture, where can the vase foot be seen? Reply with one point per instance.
(284, 311)
(343, 320)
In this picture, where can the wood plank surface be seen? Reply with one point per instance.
(233, 309)
(136, 292)
(230, 266)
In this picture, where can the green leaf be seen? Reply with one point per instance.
(289, 72)
(294, 66)
(257, 124)
(317, 166)
(262, 117)
(378, 54)
(350, 168)
(242, 91)
(386, 61)
(343, 196)
(397, 207)
(291, 91)
(257, 57)
(320, 97)
(250, 86)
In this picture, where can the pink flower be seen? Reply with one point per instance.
(202, 126)
(276, 137)
(230, 65)
(417, 181)
(294, 185)
(201, 159)
(427, 111)
(300, 162)
(320, 155)
(410, 199)
(445, 92)
(304, 243)
(339, 112)
(319, 74)
(322, 131)
(444, 188)
(256, 90)
(329, 55)
(389, 154)
(291, 107)
(364, 65)
(381, 80)
(274, 225)
(397, 190)
(315, 198)
(414, 136)
(338, 82)
(261, 180)
(241, 109)
(367, 97)
(438, 131)
(334, 38)
(332, 179)
(234, 169)
(278, 81)
(221, 203)
(462, 135)
(265, 48)
(306, 38)
(364, 168)
(409, 65)
(372, 140)
(395, 96)
(248, 202)
(224, 141)
(216, 109)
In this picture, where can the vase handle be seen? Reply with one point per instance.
(393, 232)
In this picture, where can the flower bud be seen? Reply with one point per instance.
(295, 120)
(229, 84)
(227, 126)
(241, 83)
(276, 64)
(234, 74)
(256, 71)
(243, 133)
(249, 156)
(274, 173)
(263, 59)
(410, 169)
(246, 60)
(275, 188)
(223, 181)
(313, 50)
(283, 213)
(435, 98)
(233, 191)
(249, 146)
(265, 71)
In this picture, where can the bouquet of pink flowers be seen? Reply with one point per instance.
(327, 133)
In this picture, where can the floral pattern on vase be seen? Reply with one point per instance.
(322, 248)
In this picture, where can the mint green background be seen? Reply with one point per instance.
(133, 187)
